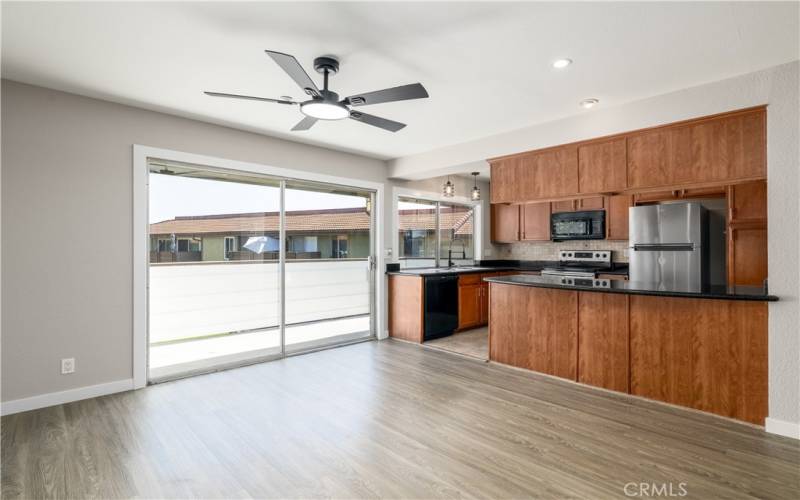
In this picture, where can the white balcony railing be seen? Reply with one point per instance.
(202, 299)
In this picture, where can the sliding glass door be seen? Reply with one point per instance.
(246, 267)
(329, 271)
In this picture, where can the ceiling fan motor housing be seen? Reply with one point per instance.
(326, 63)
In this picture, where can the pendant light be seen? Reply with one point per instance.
(476, 191)
(449, 190)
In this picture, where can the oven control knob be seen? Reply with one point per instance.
(597, 282)
(597, 255)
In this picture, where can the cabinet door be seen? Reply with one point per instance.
(534, 328)
(484, 304)
(617, 216)
(602, 167)
(656, 196)
(603, 340)
(747, 202)
(563, 206)
(747, 254)
(728, 148)
(469, 306)
(710, 355)
(594, 203)
(505, 181)
(505, 223)
(535, 221)
(549, 173)
(658, 157)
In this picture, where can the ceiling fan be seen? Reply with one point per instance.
(325, 104)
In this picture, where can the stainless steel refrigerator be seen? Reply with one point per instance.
(669, 245)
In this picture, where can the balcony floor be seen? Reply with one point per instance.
(173, 359)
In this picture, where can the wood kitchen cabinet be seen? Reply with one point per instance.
(469, 305)
(603, 359)
(602, 166)
(679, 194)
(617, 216)
(710, 355)
(505, 185)
(747, 233)
(579, 204)
(505, 223)
(549, 173)
(406, 312)
(715, 149)
(473, 299)
(534, 328)
(535, 221)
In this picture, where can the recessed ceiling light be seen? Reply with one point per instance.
(561, 63)
(588, 103)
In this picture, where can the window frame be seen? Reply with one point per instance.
(436, 204)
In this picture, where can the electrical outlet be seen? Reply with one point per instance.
(67, 366)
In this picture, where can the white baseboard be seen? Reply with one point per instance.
(57, 398)
(782, 428)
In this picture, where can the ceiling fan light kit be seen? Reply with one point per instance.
(325, 104)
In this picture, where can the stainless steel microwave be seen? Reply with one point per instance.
(588, 225)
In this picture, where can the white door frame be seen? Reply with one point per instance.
(141, 233)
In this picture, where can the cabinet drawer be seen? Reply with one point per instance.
(469, 279)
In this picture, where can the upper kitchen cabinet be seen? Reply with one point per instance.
(504, 222)
(602, 167)
(653, 155)
(717, 149)
(505, 185)
(535, 221)
(550, 173)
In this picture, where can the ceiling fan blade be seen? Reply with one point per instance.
(401, 93)
(249, 97)
(290, 65)
(304, 124)
(377, 121)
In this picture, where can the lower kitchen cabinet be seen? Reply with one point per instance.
(406, 313)
(710, 355)
(706, 354)
(469, 306)
(603, 340)
(534, 328)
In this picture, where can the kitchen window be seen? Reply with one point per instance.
(434, 234)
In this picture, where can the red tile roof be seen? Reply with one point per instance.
(320, 221)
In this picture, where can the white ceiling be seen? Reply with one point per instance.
(486, 65)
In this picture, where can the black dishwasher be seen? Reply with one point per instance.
(441, 306)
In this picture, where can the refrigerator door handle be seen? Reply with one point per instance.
(664, 247)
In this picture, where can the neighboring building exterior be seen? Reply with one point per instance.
(311, 234)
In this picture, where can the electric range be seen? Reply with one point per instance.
(580, 268)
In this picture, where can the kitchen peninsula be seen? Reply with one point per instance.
(704, 348)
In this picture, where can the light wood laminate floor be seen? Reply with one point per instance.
(384, 419)
(473, 343)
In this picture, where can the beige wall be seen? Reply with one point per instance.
(67, 171)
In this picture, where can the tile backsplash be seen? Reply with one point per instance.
(548, 250)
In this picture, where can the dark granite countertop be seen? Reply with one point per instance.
(643, 288)
(488, 266)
